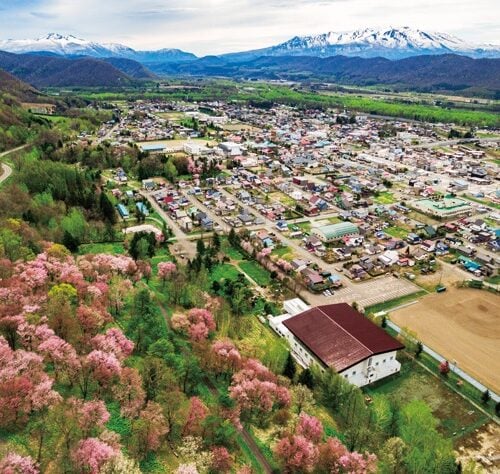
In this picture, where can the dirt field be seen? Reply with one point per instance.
(462, 325)
(483, 447)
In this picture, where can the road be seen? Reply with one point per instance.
(183, 246)
(6, 169)
(364, 293)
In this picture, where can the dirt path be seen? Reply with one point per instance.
(250, 442)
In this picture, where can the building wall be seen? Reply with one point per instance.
(367, 371)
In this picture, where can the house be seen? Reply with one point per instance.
(141, 207)
(123, 211)
(388, 258)
(339, 337)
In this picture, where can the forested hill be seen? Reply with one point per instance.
(51, 71)
(442, 72)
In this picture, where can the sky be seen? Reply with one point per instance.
(220, 26)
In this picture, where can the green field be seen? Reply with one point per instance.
(387, 305)
(457, 416)
(105, 247)
(224, 271)
(396, 231)
(384, 198)
(260, 275)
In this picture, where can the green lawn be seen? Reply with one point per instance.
(281, 251)
(334, 220)
(384, 198)
(457, 416)
(387, 305)
(396, 231)
(105, 247)
(260, 275)
(224, 271)
(495, 280)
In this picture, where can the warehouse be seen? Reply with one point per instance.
(333, 232)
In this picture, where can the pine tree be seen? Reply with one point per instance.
(290, 368)
(306, 378)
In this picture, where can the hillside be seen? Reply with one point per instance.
(16, 88)
(52, 71)
(132, 68)
(442, 72)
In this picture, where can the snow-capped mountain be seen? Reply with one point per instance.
(392, 43)
(69, 45)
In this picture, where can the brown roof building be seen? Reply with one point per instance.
(339, 337)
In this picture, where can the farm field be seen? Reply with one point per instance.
(461, 325)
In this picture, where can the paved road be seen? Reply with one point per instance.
(183, 246)
(6, 169)
(365, 293)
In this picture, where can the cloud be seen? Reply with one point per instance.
(217, 26)
(44, 15)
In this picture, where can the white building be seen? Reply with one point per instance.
(339, 337)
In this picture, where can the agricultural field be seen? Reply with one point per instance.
(461, 325)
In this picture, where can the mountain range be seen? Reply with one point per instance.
(392, 43)
(403, 58)
(70, 46)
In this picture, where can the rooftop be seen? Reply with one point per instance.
(338, 230)
(339, 336)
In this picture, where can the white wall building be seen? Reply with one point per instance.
(339, 337)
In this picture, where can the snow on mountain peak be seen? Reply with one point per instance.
(389, 42)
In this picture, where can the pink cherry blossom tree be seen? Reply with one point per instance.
(13, 463)
(166, 270)
(296, 453)
(91, 454)
(115, 342)
(310, 428)
(198, 411)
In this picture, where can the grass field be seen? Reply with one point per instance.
(224, 271)
(384, 198)
(396, 231)
(105, 247)
(461, 325)
(457, 416)
(281, 251)
(387, 305)
(260, 275)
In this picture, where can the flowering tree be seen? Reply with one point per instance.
(221, 459)
(129, 392)
(335, 457)
(198, 411)
(166, 270)
(91, 454)
(24, 386)
(444, 368)
(104, 366)
(225, 356)
(256, 390)
(149, 429)
(310, 428)
(198, 323)
(296, 453)
(13, 463)
(113, 341)
(91, 415)
(187, 469)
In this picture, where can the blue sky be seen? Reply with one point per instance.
(217, 26)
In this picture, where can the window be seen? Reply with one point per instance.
(376, 363)
(384, 361)
(353, 372)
